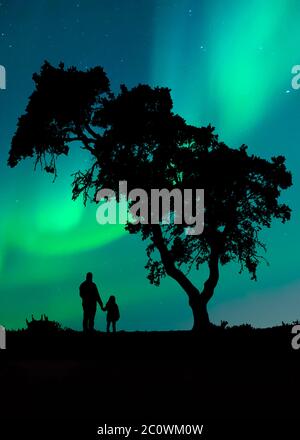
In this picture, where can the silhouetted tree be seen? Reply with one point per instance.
(136, 137)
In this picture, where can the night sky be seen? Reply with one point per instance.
(228, 64)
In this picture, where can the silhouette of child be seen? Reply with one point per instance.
(113, 314)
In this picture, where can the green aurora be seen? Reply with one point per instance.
(228, 64)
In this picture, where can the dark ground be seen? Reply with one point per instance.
(167, 377)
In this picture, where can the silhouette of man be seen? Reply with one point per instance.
(90, 297)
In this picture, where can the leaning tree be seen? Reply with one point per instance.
(136, 137)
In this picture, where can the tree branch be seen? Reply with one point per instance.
(169, 263)
(92, 132)
(85, 140)
(213, 278)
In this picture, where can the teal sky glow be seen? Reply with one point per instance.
(228, 64)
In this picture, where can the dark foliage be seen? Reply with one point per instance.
(42, 326)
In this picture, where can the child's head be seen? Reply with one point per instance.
(112, 299)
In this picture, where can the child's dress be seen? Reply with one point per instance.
(113, 313)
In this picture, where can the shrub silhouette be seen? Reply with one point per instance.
(42, 325)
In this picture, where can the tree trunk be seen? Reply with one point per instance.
(209, 285)
(197, 301)
(200, 314)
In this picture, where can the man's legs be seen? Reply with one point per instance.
(92, 314)
(114, 326)
(85, 320)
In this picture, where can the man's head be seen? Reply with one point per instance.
(89, 276)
